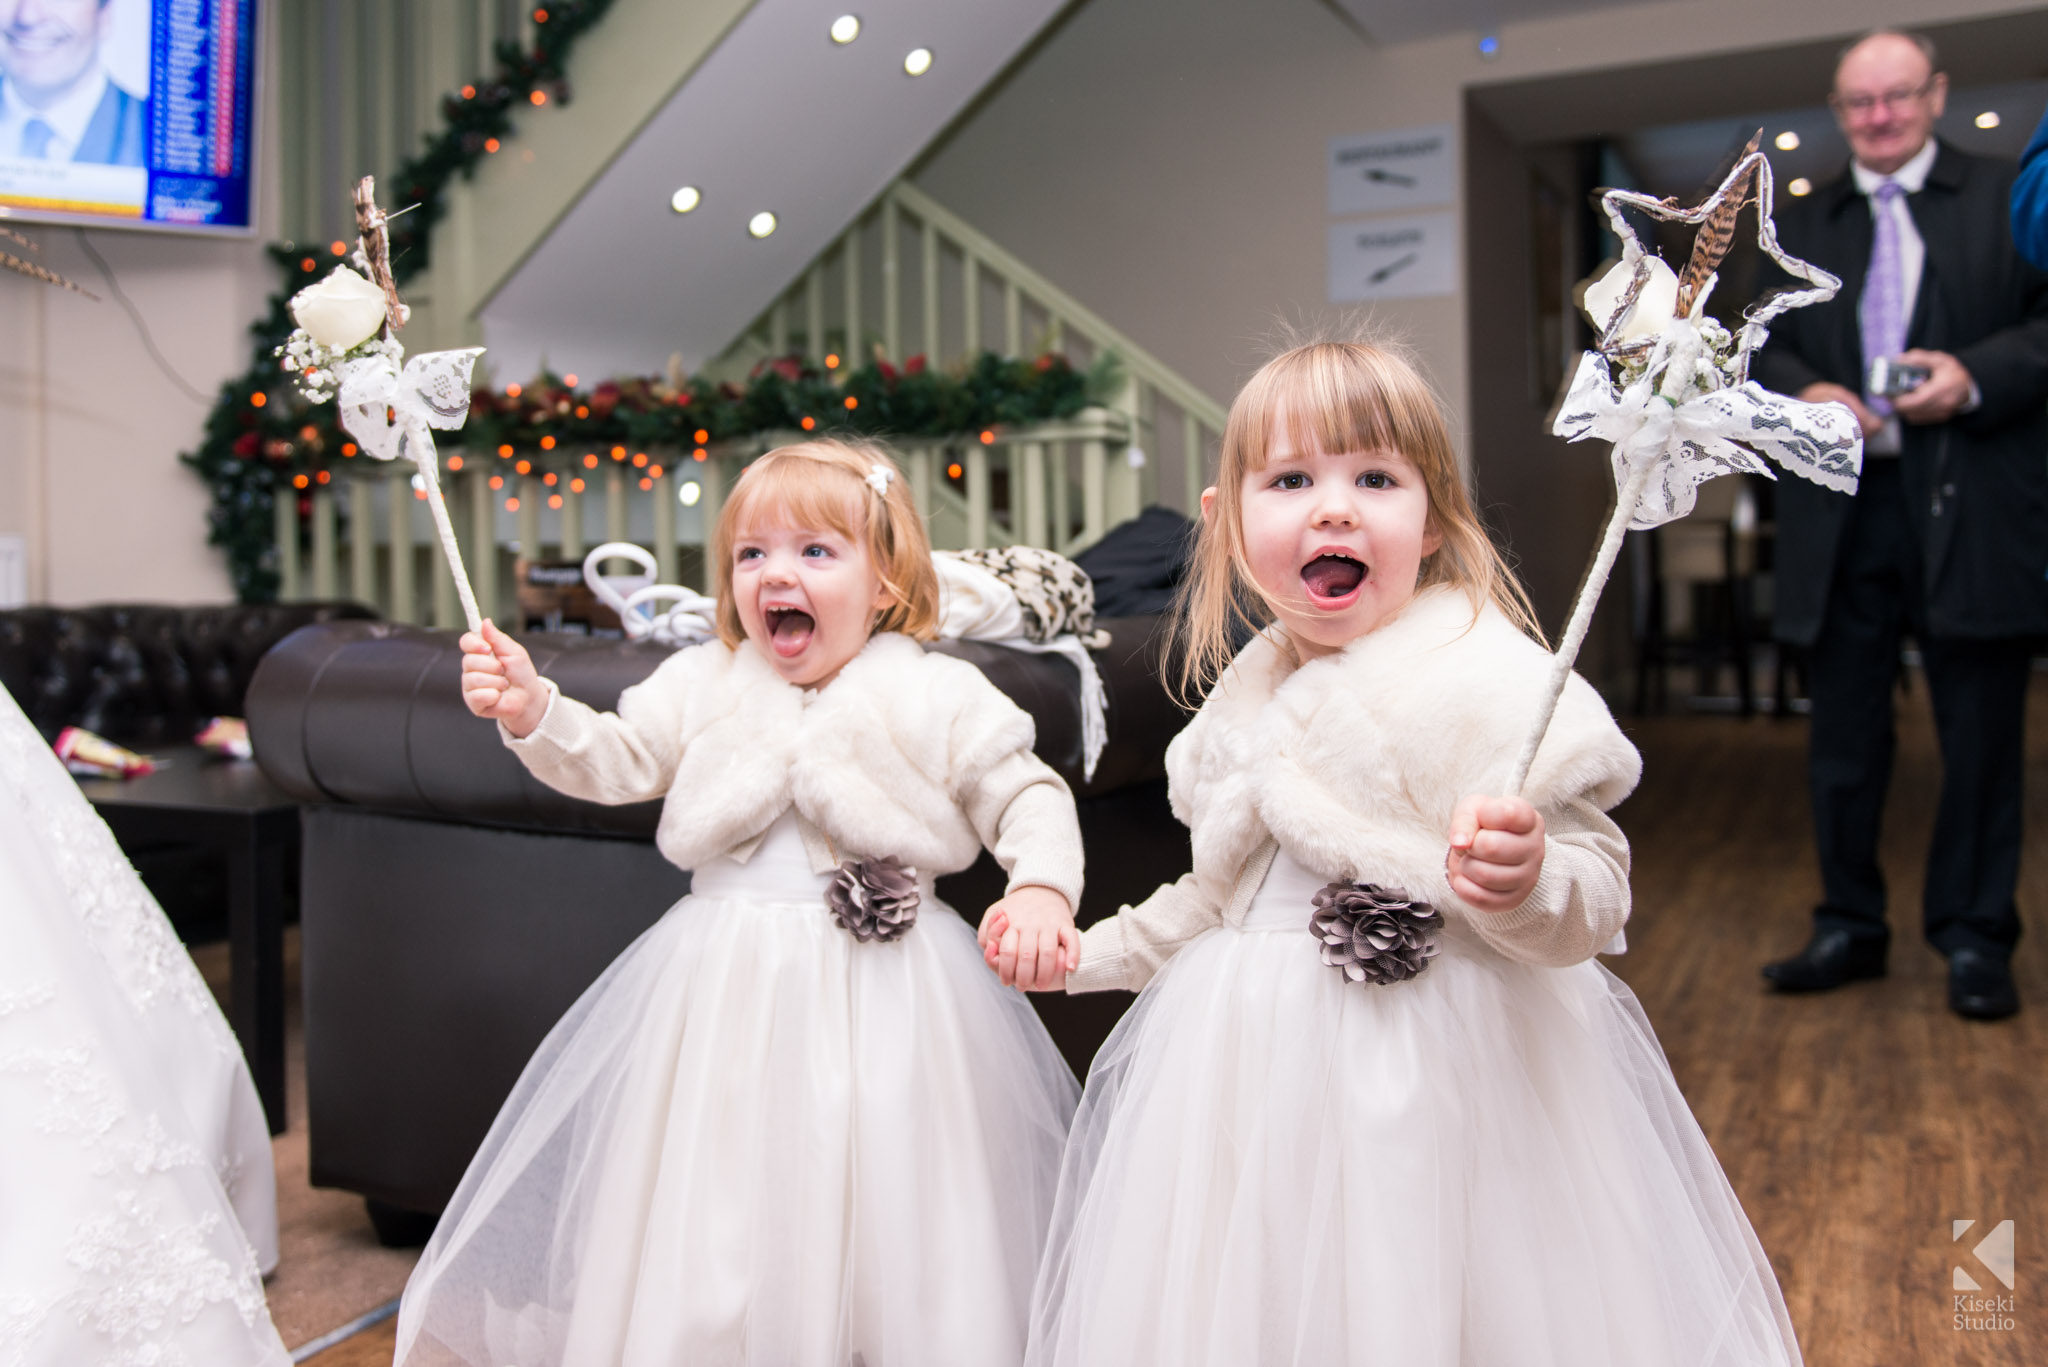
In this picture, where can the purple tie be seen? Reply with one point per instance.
(1883, 311)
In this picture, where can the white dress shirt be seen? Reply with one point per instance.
(68, 116)
(1911, 178)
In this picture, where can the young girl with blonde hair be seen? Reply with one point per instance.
(798, 1122)
(1375, 1102)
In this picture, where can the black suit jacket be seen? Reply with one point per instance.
(1976, 485)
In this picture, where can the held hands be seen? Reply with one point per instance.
(1029, 939)
(1496, 852)
(500, 682)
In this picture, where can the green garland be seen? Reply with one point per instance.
(263, 440)
(260, 432)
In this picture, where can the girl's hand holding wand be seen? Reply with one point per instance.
(499, 680)
(1496, 852)
(1029, 939)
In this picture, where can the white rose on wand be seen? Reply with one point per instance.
(1655, 306)
(340, 312)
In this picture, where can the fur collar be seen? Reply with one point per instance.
(1355, 760)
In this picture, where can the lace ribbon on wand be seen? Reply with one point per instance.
(1669, 386)
(415, 401)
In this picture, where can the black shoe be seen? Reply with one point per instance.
(1980, 986)
(1831, 958)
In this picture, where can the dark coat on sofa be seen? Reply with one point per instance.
(1977, 485)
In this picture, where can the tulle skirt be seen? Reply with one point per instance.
(757, 1141)
(1489, 1164)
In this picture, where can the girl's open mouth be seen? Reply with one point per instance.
(789, 630)
(1331, 579)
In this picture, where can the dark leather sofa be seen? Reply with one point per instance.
(144, 674)
(453, 906)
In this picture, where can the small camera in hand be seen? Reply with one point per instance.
(1891, 377)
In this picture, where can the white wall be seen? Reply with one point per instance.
(1163, 159)
(90, 427)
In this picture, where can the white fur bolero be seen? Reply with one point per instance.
(1353, 763)
(904, 753)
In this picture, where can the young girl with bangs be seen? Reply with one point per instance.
(798, 1121)
(1376, 1102)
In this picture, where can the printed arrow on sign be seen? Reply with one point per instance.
(1392, 268)
(1388, 177)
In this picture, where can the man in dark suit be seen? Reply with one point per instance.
(1945, 540)
(56, 102)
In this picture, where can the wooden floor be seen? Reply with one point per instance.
(1858, 1124)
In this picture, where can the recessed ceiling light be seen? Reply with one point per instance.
(685, 199)
(689, 492)
(845, 29)
(1988, 119)
(919, 61)
(1800, 186)
(761, 224)
(1787, 141)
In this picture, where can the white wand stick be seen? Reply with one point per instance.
(1581, 619)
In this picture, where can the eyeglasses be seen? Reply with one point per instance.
(1862, 106)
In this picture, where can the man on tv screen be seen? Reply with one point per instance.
(57, 102)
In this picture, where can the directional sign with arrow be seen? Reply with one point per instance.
(1376, 173)
(1393, 258)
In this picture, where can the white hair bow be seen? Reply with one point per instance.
(878, 477)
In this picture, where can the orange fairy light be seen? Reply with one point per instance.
(547, 443)
(646, 483)
(988, 437)
(298, 481)
(513, 391)
(348, 448)
(497, 481)
(654, 470)
(455, 462)
(575, 486)
(323, 477)
(258, 399)
(851, 403)
(490, 144)
(420, 494)
(512, 504)
(953, 471)
(590, 461)
(618, 453)
(582, 410)
(308, 264)
(549, 479)
(338, 247)
(469, 92)
(524, 467)
(569, 380)
(505, 452)
(832, 361)
(702, 436)
(540, 16)
(809, 422)
(700, 454)
(554, 500)
(539, 97)
(639, 460)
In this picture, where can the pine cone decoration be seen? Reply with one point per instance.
(874, 899)
(1372, 934)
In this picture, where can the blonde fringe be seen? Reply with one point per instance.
(823, 484)
(1346, 395)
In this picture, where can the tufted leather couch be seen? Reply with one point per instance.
(143, 674)
(453, 906)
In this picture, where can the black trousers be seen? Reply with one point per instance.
(1979, 691)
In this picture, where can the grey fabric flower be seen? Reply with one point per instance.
(874, 899)
(1372, 934)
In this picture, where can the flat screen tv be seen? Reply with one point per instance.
(128, 113)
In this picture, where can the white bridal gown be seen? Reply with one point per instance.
(137, 1203)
